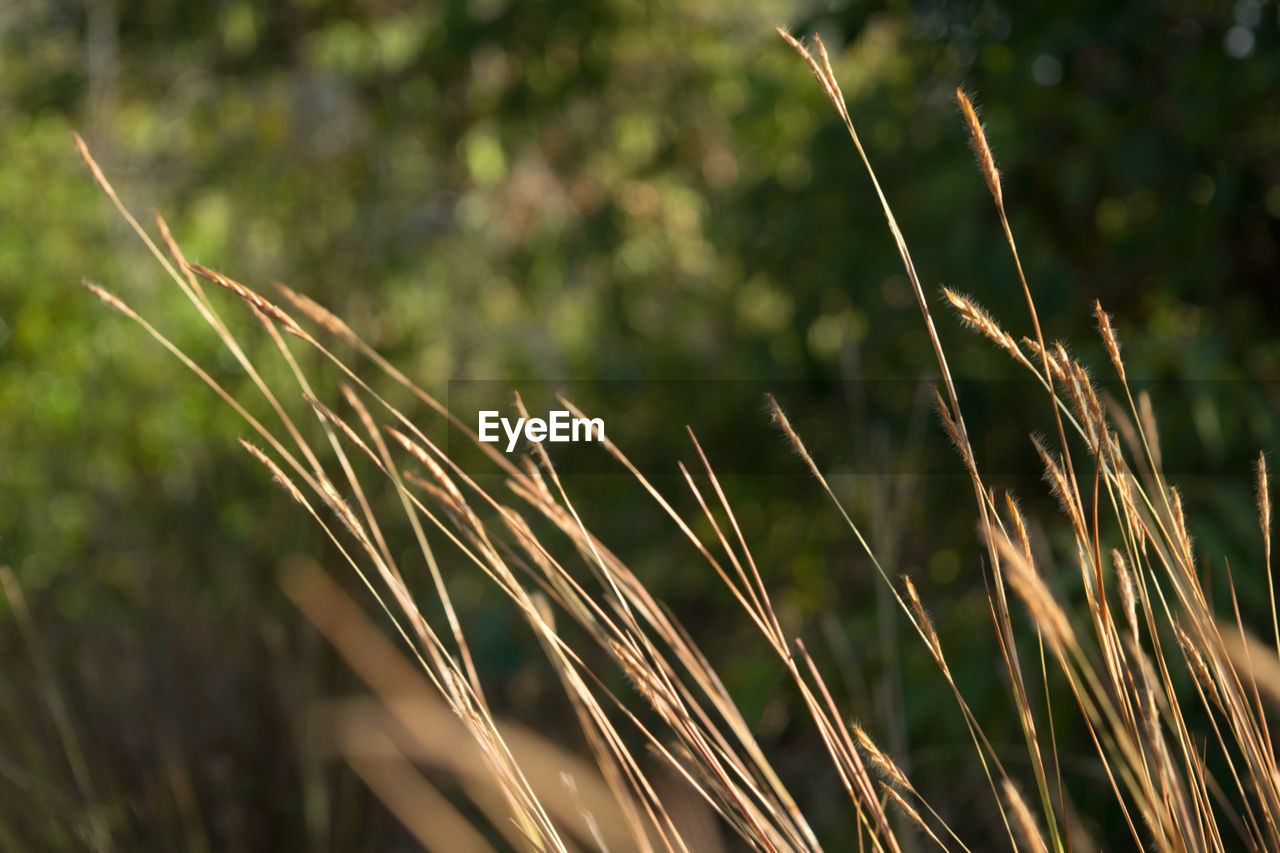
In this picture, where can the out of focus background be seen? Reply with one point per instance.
(493, 190)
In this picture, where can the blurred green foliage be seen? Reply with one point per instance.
(490, 189)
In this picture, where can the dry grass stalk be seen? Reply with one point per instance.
(831, 87)
(954, 419)
(343, 427)
(276, 474)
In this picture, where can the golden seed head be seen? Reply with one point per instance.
(338, 504)
(1019, 524)
(922, 617)
(1058, 483)
(1180, 523)
(879, 759)
(1128, 598)
(108, 298)
(270, 309)
(973, 316)
(978, 139)
(1109, 339)
(419, 453)
(316, 312)
(1264, 495)
(953, 429)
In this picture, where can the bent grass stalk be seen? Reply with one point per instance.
(1125, 688)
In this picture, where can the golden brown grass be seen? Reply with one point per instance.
(1145, 628)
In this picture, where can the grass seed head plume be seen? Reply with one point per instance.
(336, 502)
(1019, 524)
(879, 759)
(108, 298)
(646, 682)
(1092, 405)
(976, 318)
(1087, 407)
(270, 309)
(780, 418)
(1060, 485)
(1264, 521)
(316, 312)
(1264, 496)
(924, 622)
(819, 71)
(952, 429)
(425, 458)
(1180, 526)
(1128, 598)
(1056, 367)
(1109, 339)
(978, 139)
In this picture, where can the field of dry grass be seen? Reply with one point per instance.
(1190, 769)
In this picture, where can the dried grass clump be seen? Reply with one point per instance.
(1132, 548)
